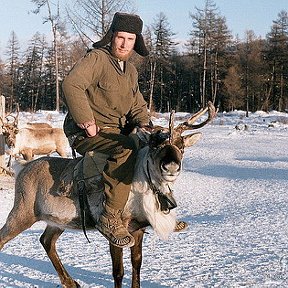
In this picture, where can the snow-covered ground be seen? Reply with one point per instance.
(233, 192)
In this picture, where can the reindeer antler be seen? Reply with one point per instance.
(13, 117)
(16, 118)
(17, 115)
(188, 125)
(171, 125)
(1, 121)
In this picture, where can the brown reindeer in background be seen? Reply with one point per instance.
(34, 139)
(39, 196)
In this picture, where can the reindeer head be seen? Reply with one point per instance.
(165, 149)
(9, 130)
(166, 153)
(167, 145)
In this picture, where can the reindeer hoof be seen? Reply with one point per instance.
(71, 285)
(181, 226)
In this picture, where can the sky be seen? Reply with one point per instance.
(241, 15)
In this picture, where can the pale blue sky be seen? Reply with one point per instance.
(241, 15)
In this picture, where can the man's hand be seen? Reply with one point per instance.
(147, 127)
(91, 128)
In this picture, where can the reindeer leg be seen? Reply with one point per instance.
(117, 264)
(136, 257)
(61, 152)
(27, 154)
(48, 240)
(15, 224)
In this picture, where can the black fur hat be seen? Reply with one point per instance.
(126, 23)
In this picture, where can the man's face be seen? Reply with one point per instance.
(123, 44)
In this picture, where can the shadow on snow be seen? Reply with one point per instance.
(242, 173)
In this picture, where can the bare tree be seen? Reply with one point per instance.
(54, 19)
(210, 36)
(2, 76)
(152, 66)
(220, 39)
(234, 90)
(93, 17)
(203, 22)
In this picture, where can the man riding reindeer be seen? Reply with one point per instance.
(105, 104)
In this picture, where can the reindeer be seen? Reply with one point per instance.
(34, 139)
(38, 196)
(37, 125)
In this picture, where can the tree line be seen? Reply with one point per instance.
(249, 74)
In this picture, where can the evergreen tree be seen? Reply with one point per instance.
(277, 57)
(162, 71)
(13, 62)
(32, 82)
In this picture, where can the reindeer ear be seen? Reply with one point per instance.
(191, 139)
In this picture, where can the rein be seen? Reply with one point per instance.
(84, 206)
(83, 201)
(166, 202)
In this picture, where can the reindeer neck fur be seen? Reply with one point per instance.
(143, 204)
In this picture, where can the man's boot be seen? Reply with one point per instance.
(111, 226)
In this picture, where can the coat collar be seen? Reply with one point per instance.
(114, 60)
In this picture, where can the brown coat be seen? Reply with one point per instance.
(97, 89)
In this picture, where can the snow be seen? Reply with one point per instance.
(232, 192)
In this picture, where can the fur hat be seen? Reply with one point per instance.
(126, 23)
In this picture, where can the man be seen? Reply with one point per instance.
(103, 99)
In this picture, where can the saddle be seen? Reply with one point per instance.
(88, 169)
(85, 181)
